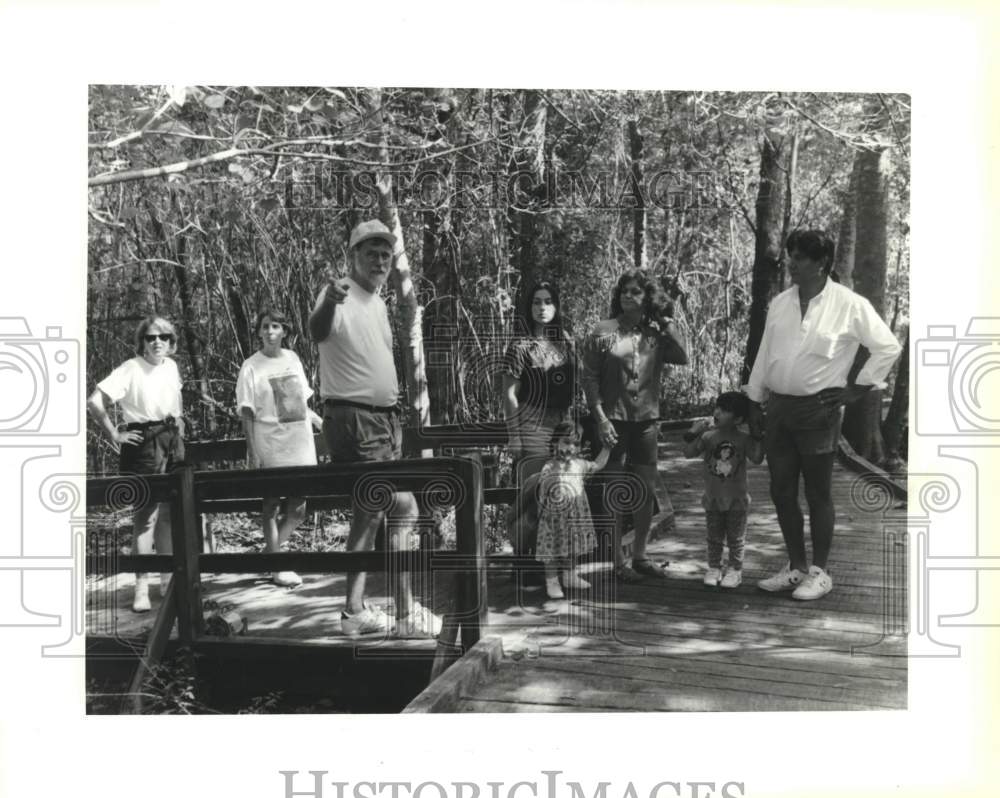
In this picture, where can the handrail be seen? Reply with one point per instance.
(445, 481)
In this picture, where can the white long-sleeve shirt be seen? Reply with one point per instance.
(804, 355)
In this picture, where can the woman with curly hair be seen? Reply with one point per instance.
(622, 363)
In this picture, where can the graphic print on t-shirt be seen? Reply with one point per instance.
(723, 463)
(289, 402)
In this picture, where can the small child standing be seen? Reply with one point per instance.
(725, 450)
(565, 528)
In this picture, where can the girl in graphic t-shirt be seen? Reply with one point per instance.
(147, 388)
(271, 392)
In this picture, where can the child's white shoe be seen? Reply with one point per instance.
(732, 579)
(712, 577)
(552, 587)
(571, 580)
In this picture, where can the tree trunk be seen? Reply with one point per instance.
(843, 264)
(766, 280)
(526, 185)
(635, 142)
(410, 318)
(896, 421)
(178, 253)
(863, 419)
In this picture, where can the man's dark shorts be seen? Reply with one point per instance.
(354, 435)
(637, 443)
(800, 424)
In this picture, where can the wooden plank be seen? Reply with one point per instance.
(471, 601)
(627, 677)
(586, 692)
(184, 533)
(445, 690)
(119, 492)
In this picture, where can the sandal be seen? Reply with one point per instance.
(648, 568)
(624, 573)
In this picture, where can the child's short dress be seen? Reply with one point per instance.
(565, 528)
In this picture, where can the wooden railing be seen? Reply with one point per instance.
(445, 481)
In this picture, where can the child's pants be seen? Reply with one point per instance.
(726, 527)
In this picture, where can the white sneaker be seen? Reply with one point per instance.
(712, 577)
(553, 588)
(368, 621)
(140, 600)
(732, 579)
(421, 622)
(573, 581)
(286, 579)
(787, 578)
(816, 585)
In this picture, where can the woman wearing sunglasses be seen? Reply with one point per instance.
(147, 388)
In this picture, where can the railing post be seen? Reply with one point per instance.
(187, 576)
(472, 608)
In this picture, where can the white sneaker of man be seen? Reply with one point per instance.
(712, 577)
(140, 599)
(816, 585)
(370, 620)
(787, 578)
(421, 622)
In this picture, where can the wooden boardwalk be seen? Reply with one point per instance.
(662, 645)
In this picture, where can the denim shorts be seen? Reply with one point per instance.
(637, 443)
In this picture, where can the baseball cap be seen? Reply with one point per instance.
(372, 229)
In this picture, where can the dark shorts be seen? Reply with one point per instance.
(800, 424)
(160, 451)
(354, 435)
(637, 443)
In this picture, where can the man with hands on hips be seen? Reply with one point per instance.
(811, 336)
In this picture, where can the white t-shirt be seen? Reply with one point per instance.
(276, 389)
(355, 359)
(143, 391)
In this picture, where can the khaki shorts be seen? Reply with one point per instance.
(354, 435)
(800, 424)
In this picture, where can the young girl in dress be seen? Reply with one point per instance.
(565, 528)
(147, 388)
(271, 392)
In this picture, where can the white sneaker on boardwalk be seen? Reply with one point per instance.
(787, 578)
(572, 580)
(732, 579)
(140, 600)
(287, 579)
(712, 577)
(552, 588)
(366, 622)
(816, 585)
(421, 622)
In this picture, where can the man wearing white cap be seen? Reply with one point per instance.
(361, 421)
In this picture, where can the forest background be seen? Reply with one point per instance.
(207, 203)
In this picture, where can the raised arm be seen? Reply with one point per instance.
(321, 318)
(674, 350)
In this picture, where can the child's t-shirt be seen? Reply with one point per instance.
(724, 469)
(276, 389)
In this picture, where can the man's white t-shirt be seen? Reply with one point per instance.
(276, 389)
(355, 359)
(143, 391)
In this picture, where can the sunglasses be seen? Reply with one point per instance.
(161, 336)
